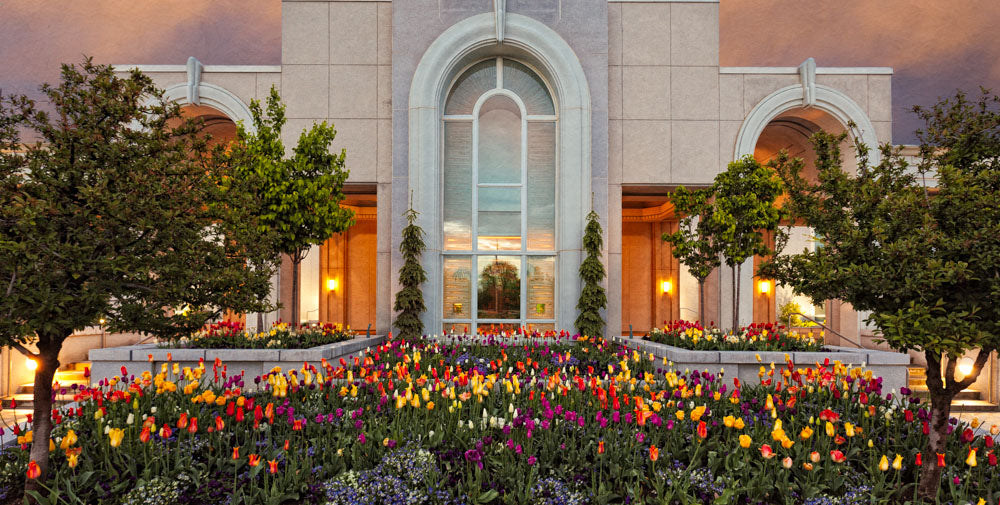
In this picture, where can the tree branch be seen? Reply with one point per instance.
(24, 350)
(10, 285)
(977, 368)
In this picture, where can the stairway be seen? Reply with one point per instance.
(23, 401)
(969, 400)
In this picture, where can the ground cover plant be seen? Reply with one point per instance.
(234, 335)
(755, 337)
(500, 420)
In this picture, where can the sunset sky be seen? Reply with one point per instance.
(934, 46)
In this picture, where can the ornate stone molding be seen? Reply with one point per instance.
(499, 15)
(194, 68)
(807, 74)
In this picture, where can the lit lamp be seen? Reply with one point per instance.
(31, 364)
(965, 367)
(331, 284)
(666, 287)
(764, 287)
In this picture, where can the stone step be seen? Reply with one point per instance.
(968, 394)
(973, 406)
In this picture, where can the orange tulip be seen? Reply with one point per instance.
(193, 426)
(254, 460)
(236, 452)
(600, 447)
(219, 423)
(286, 444)
(940, 459)
(34, 471)
(144, 435)
(182, 422)
(654, 453)
(272, 466)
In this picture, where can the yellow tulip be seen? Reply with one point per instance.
(883, 464)
(897, 463)
(787, 443)
(680, 415)
(116, 435)
(68, 440)
(71, 460)
(849, 429)
(971, 460)
(806, 433)
(745, 441)
(831, 430)
(728, 421)
(739, 424)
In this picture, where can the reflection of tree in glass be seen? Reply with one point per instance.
(499, 290)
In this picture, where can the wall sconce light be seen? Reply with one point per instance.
(31, 364)
(456, 308)
(331, 284)
(965, 366)
(666, 287)
(764, 287)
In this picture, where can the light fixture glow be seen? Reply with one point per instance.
(667, 286)
(331, 284)
(101, 321)
(31, 364)
(965, 366)
(764, 287)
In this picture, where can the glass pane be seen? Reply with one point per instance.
(477, 80)
(688, 296)
(458, 185)
(541, 280)
(523, 81)
(541, 186)
(457, 287)
(500, 142)
(791, 305)
(496, 328)
(541, 327)
(499, 219)
(499, 295)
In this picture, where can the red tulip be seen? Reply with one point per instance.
(940, 458)
(236, 452)
(182, 422)
(272, 466)
(34, 471)
(702, 429)
(908, 414)
(837, 456)
(286, 444)
(992, 458)
(968, 435)
(920, 460)
(144, 436)
(230, 409)
(219, 423)
(254, 460)
(766, 451)
(240, 416)
(193, 426)
(927, 428)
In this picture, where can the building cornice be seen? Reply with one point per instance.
(819, 70)
(232, 69)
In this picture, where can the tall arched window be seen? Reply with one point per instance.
(499, 199)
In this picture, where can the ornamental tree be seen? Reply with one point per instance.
(695, 244)
(925, 260)
(410, 300)
(592, 298)
(299, 196)
(744, 210)
(111, 214)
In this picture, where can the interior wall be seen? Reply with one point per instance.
(647, 263)
(348, 259)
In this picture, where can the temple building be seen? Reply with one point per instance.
(504, 123)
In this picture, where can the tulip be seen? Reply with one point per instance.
(806, 433)
(165, 432)
(883, 464)
(286, 444)
(68, 440)
(739, 424)
(807, 466)
(72, 460)
(745, 441)
(831, 430)
(182, 422)
(600, 447)
(814, 457)
(654, 453)
(254, 460)
(34, 471)
(728, 421)
(236, 452)
(787, 462)
(919, 461)
(897, 463)
(145, 435)
(837, 456)
(193, 426)
(116, 435)
(940, 459)
(702, 429)
(849, 429)
(219, 423)
(766, 451)
(971, 459)
(272, 466)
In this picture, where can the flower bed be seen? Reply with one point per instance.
(525, 422)
(756, 337)
(233, 335)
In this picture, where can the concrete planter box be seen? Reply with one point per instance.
(891, 366)
(107, 363)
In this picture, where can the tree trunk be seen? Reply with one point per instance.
(42, 416)
(260, 322)
(930, 474)
(296, 316)
(736, 296)
(701, 303)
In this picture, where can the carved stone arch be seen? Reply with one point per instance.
(218, 98)
(538, 44)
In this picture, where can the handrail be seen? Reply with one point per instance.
(824, 326)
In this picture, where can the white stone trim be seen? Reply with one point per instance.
(664, 1)
(819, 70)
(216, 97)
(559, 65)
(219, 69)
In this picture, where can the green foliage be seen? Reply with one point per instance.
(116, 212)
(925, 261)
(409, 299)
(695, 243)
(300, 196)
(593, 299)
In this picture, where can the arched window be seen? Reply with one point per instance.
(499, 199)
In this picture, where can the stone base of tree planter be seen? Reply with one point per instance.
(107, 363)
(891, 366)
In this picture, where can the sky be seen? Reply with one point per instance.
(934, 46)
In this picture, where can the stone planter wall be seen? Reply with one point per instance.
(252, 362)
(891, 366)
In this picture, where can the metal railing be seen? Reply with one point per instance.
(822, 325)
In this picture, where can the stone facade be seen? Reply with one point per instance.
(643, 107)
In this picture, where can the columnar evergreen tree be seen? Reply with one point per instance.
(300, 196)
(410, 299)
(112, 215)
(745, 196)
(593, 299)
(695, 243)
(925, 261)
